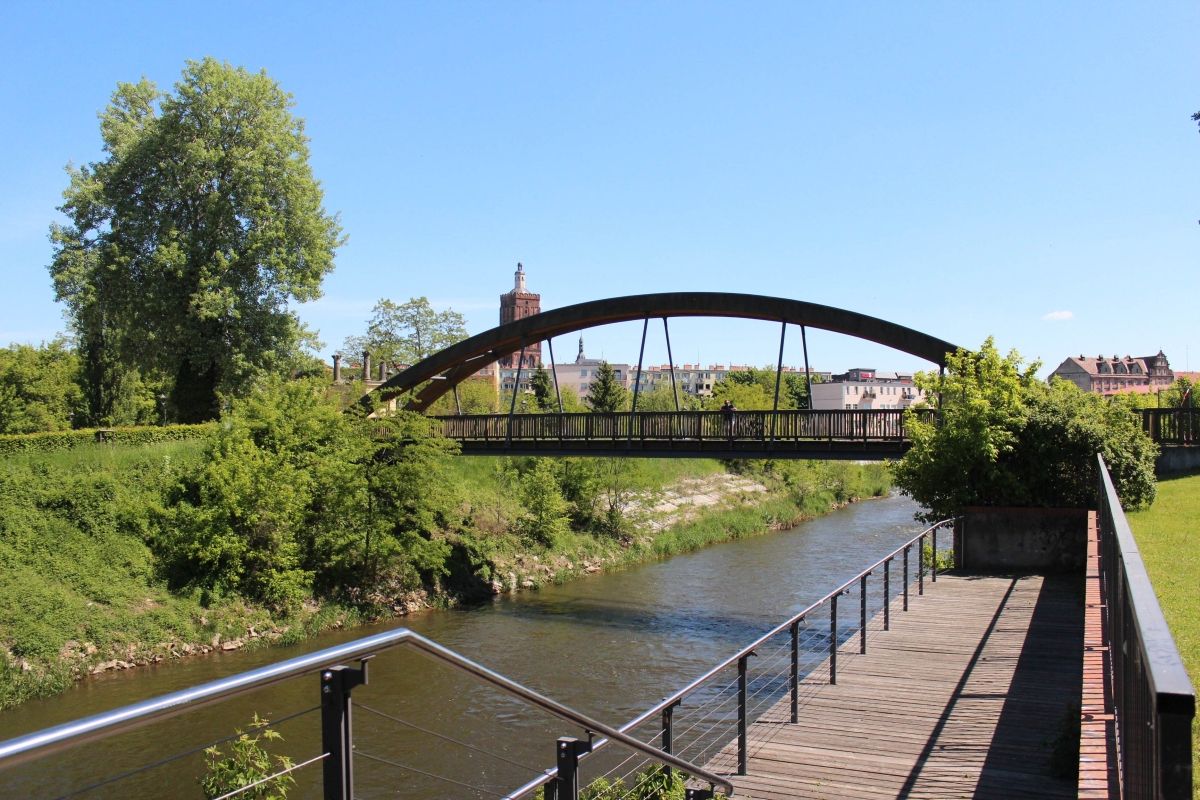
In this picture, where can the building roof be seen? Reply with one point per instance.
(1107, 366)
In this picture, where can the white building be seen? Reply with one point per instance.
(867, 390)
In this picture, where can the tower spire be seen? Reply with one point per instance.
(519, 279)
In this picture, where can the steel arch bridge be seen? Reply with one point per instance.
(778, 434)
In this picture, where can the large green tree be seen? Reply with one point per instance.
(186, 243)
(408, 332)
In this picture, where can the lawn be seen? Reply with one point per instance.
(1167, 536)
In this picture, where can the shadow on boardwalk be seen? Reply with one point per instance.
(965, 696)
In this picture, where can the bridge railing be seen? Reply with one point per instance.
(1155, 701)
(1172, 425)
(709, 719)
(762, 426)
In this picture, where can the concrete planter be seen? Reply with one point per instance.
(1020, 539)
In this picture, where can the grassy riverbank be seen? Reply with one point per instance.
(84, 590)
(1166, 536)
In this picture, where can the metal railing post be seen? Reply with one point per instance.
(697, 794)
(887, 595)
(862, 612)
(833, 638)
(933, 556)
(742, 747)
(565, 785)
(921, 566)
(906, 549)
(795, 674)
(668, 716)
(337, 732)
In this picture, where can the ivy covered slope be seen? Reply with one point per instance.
(290, 515)
(1006, 438)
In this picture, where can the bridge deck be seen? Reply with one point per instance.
(963, 697)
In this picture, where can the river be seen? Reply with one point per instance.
(610, 645)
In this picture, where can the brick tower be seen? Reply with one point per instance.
(518, 304)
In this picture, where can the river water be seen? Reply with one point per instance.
(609, 645)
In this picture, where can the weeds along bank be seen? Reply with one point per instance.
(292, 517)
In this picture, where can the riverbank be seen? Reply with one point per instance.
(84, 593)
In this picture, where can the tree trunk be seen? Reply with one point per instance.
(194, 396)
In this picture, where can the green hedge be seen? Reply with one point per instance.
(67, 440)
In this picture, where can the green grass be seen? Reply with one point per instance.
(1168, 534)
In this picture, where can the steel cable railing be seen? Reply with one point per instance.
(272, 777)
(336, 685)
(817, 637)
(194, 750)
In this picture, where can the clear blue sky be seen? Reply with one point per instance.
(1025, 170)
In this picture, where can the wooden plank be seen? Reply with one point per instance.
(963, 697)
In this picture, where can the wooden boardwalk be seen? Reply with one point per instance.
(963, 697)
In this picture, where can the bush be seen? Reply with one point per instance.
(54, 441)
(546, 519)
(277, 502)
(247, 762)
(1006, 438)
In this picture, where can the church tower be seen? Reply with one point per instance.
(518, 304)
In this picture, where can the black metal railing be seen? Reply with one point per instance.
(338, 752)
(1180, 426)
(761, 426)
(709, 720)
(1155, 702)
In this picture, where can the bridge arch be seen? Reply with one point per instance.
(447, 368)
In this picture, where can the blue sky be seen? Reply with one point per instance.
(1022, 170)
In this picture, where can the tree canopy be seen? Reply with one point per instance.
(754, 389)
(38, 388)
(1006, 438)
(187, 241)
(408, 332)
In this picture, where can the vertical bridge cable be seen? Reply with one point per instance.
(512, 408)
(671, 364)
(554, 373)
(778, 378)
(807, 371)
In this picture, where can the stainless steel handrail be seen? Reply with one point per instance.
(71, 734)
(732, 660)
